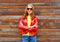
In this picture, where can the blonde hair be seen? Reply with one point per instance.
(26, 13)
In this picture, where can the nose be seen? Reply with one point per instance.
(29, 9)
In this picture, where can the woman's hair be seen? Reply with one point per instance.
(26, 13)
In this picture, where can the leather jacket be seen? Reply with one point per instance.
(24, 29)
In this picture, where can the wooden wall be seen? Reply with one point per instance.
(47, 11)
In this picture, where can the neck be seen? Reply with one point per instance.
(28, 14)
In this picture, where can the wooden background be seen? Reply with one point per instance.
(47, 11)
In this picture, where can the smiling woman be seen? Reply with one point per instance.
(28, 25)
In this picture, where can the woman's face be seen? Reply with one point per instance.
(29, 10)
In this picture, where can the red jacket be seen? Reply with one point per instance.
(24, 28)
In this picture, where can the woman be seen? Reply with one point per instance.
(28, 25)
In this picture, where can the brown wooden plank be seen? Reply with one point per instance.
(9, 22)
(49, 41)
(49, 14)
(9, 38)
(15, 26)
(23, 4)
(40, 7)
(22, 13)
(46, 32)
(49, 24)
(13, 32)
(48, 36)
(39, 17)
(37, 37)
(41, 22)
(27, 1)
(49, 30)
(9, 30)
(41, 32)
(12, 23)
(37, 12)
(8, 26)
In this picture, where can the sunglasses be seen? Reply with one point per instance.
(29, 8)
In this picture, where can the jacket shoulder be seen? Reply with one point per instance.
(35, 17)
(22, 17)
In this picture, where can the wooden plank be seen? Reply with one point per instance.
(15, 26)
(9, 30)
(23, 4)
(44, 12)
(49, 14)
(13, 23)
(40, 7)
(9, 38)
(44, 39)
(22, 13)
(39, 30)
(27, 1)
(51, 39)
(9, 22)
(42, 24)
(48, 40)
(39, 17)
(48, 36)
(52, 3)
(35, 4)
(49, 30)
(49, 26)
(12, 37)
(10, 34)
(8, 26)
(2, 32)
(17, 18)
(48, 33)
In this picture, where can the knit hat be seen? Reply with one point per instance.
(30, 5)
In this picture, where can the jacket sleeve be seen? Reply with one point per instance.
(35, 26)
(21, 25)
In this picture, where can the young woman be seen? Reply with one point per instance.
(28, 25)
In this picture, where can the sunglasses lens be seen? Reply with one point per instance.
(29, 8)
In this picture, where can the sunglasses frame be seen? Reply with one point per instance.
(29, 8)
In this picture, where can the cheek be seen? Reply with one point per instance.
(30, 11)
